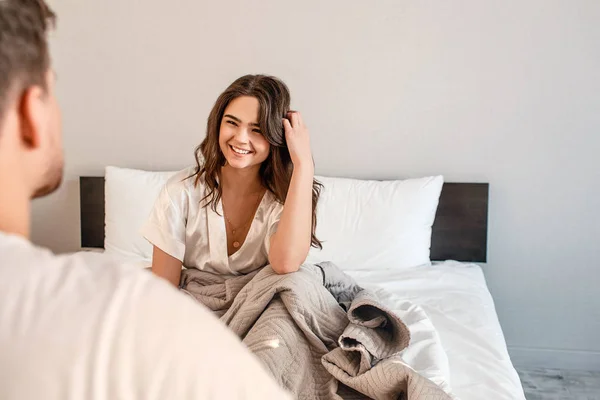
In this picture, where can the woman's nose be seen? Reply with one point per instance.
(242, 134)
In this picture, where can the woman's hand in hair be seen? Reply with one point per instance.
(298, 140)
(291, 242)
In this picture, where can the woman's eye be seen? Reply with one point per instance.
(257, 131)
(231, 122)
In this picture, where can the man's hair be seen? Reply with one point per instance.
(24, 55)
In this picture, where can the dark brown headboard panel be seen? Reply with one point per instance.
(91, 202)
(460, 228)
(459, 232)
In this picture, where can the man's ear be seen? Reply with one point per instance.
(32, 115)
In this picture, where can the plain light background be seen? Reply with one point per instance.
(479, 91)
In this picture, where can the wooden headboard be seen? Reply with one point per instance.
(459, 232)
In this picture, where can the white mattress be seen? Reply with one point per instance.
(458, 303)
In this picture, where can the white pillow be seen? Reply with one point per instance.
(367, 225)
(129, 197)
(363, 224)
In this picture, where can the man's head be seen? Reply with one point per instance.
(30, 128)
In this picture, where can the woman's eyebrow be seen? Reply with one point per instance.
(232, 117)
(239, 120)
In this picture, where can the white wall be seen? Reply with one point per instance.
(505, 92)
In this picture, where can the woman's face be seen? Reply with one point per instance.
(240, 138)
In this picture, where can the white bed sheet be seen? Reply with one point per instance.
(457, 301)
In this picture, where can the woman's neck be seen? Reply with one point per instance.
(241, 182)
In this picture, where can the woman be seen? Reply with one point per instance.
(251, 199)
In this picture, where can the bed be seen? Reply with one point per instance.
(457, 339)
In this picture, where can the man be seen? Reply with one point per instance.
(79, 327)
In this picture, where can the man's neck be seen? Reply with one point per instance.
(241, 182)
(15, 208)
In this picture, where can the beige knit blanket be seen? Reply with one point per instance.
(320, 335)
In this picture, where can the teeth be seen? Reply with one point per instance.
(240, 151)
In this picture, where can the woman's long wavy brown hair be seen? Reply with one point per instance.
(276, 171)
